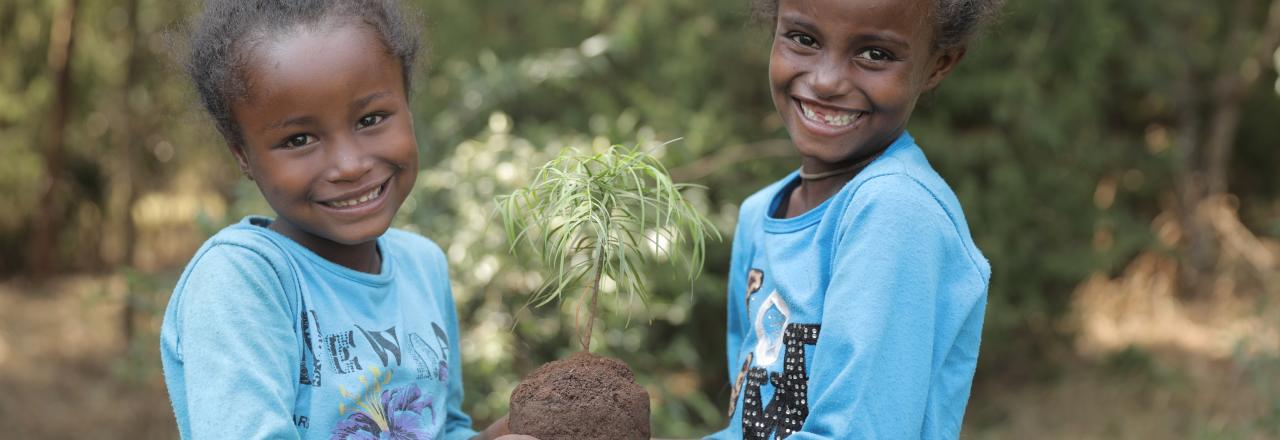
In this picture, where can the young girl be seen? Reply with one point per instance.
(322, 322)
(856, 294)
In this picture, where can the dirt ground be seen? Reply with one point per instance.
(1148, 363)
(66, 371)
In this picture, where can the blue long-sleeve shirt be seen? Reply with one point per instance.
(861, 318)
(264, 339)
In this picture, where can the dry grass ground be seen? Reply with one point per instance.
(1132, 395)
(65, 370)
(1149, 363)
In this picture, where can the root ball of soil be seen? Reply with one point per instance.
(584, 397)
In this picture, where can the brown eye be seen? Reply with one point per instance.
(297, 140)
(369, 120)
(875, 54)
(803, 39)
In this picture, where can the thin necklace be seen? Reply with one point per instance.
(850, 168)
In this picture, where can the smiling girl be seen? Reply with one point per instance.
(311, 324)
(856, 295)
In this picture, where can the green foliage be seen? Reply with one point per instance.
(600, 215)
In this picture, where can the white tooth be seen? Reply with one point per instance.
(842, 119)
(839, 120)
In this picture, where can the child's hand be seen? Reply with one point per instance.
(499, 431)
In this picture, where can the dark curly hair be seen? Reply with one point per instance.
(956, 20)
(221, 38)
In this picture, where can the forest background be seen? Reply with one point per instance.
(1118, 161)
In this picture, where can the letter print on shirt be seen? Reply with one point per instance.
(424, 355)
(771, 319)
(755, 279)
(430, 361)
(309, 376)
(384, 344)
(775, 335)
(737, 384)
(789, 407)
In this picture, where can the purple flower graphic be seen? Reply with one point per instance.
(396, 414)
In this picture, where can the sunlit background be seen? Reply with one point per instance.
(1118, 161)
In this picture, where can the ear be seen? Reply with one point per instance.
(242, 159)
(944, 60)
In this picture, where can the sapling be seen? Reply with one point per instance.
(591, 217)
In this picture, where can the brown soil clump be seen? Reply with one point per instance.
(584, 397)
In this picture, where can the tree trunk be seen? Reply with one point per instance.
(47, 222)
(1230, 92)
(1204, 153)
(1189, 185)
(126, 187)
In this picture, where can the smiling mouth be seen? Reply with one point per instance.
(828, 116)
(358, 201)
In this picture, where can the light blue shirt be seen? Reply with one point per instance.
(861, 318)
(264, 339)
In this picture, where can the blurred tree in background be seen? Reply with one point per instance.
(1078, 135)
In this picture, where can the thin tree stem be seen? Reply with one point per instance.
(585, 337)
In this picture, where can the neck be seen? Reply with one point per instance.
(817, 187)
(811, 193)
(361, 257)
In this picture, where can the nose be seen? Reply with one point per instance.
(830, 77)
(348, 161)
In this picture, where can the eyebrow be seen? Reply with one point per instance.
(885, 37)
(800, 22)
(295, 120)
(358, 104)
(366, 99)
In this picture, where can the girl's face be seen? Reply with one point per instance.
(845, 74)
(328, 135)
